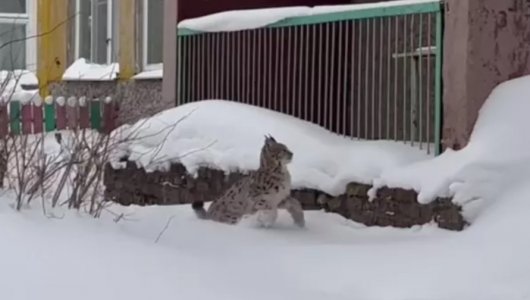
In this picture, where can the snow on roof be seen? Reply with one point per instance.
(235, 20)
(81, 69)
(228, 136)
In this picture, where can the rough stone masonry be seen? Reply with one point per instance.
(391, 207)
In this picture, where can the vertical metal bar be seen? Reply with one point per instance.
(326, 77)
(405, 43)
(420, 79)
(366, 82)
(179, 70)
(353, 100)
(306, 79)
(313, 73)
(438, 85)
(319, 77)
(301, 102)
(210, 67)
(200, 67)
(396, 38)
(281, 69)
(294, 82)
(412, 95)
(373, 83)
(235, 64)
(242, 67)
(345, 79)
(239, 66)
(258, 70)
(339, 108)
(429, 66)
(380, 81)
(191, 70)
(255, 68)
(270, 64)
(221, 78)
(288, 85)
(215, 64)
(388, 72)
(277, 58)
(332, 75)
(249, 58)
(359, 79)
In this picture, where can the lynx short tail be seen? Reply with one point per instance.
(198, 208)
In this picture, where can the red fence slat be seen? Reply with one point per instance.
(38, 120)
(110, 113)
(27, 118)
(60, 113)
(4, 120)
(72, 118)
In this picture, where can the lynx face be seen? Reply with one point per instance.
(277, 151)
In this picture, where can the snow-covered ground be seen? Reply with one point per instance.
(71, 256)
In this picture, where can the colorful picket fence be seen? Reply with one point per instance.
(59, 113)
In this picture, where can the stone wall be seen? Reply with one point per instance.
(137, 98)
(392, 207)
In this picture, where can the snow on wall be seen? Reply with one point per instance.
(256, 18)
(228, 136)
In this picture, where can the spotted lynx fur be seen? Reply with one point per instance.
(262, 192)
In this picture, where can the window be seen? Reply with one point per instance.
(96, 31)
(17, 49)
(153, 35)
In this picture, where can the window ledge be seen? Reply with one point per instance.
(153, 74)
(81, 70)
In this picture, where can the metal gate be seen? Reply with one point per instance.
(369, 72)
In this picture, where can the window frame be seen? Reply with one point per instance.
(28, 19)
(110, 33)
(145, 35)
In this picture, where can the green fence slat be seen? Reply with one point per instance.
(14, 114)
(95, 114)
(49, 117)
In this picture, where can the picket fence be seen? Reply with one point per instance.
(57, 113)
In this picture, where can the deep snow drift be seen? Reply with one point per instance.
(228, 136)
(75, 257)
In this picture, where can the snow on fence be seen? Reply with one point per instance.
(59, 113)
(369, 71)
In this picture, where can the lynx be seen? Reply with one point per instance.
(262, 192)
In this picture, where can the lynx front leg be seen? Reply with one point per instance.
(294, 208)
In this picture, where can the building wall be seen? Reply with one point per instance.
(486, 42)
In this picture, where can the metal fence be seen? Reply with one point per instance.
(367, 73)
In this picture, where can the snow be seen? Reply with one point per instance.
(497, 150)
(18, 85)
(165, 252)
(152, 74)
(70, 256)
(82, 69)
(256, 18)
(228, 136)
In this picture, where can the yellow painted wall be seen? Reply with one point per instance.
(127, 39)
(52, 28)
